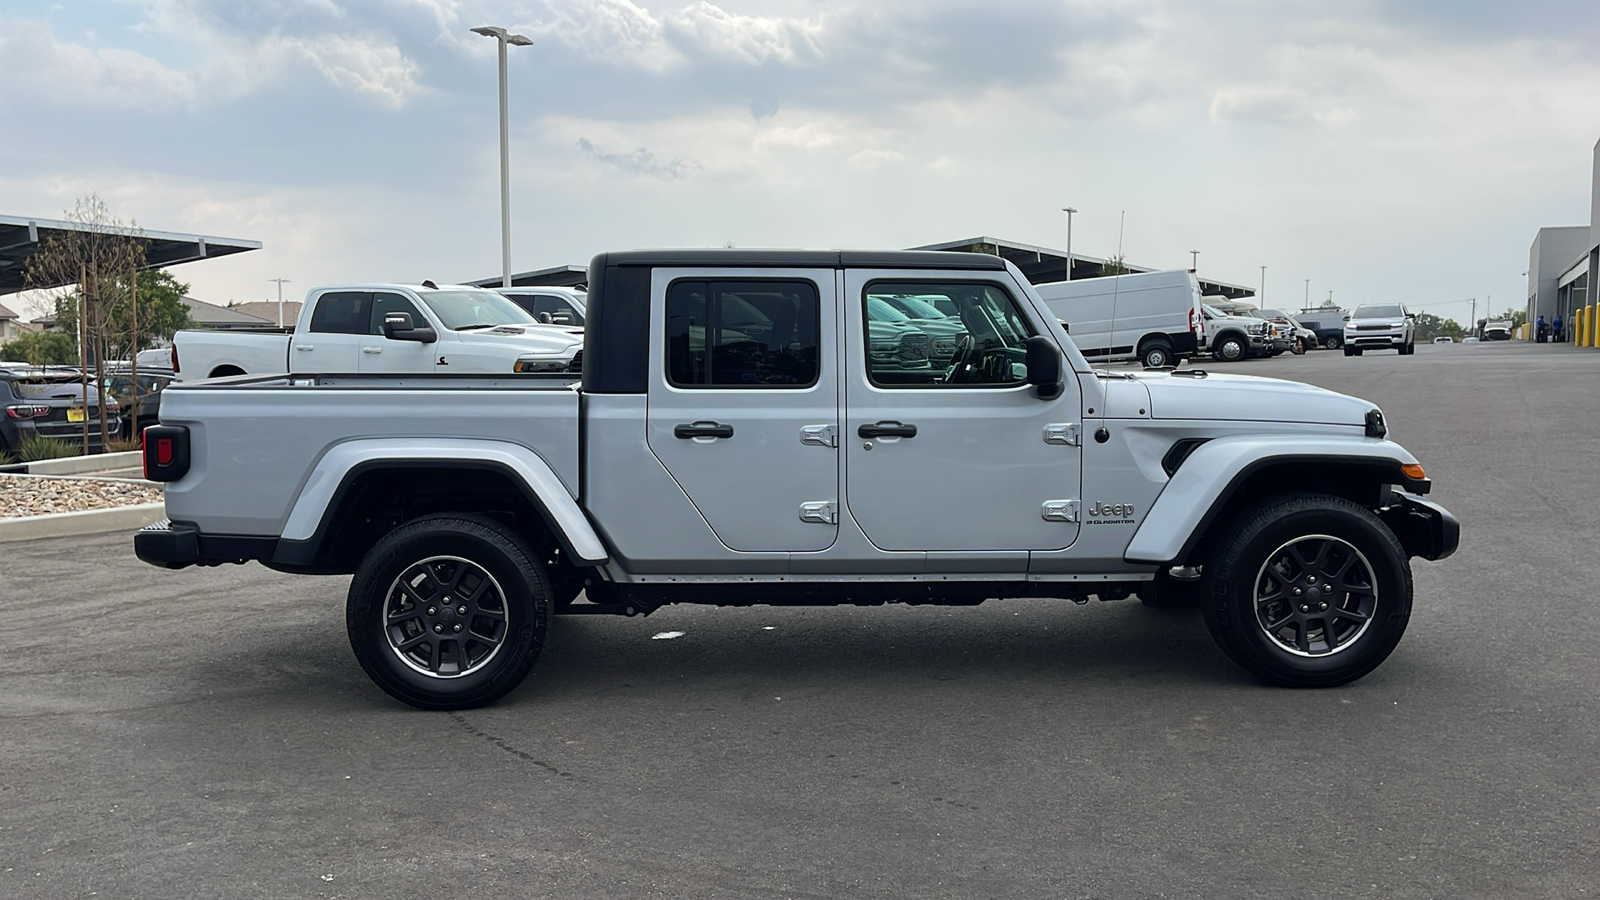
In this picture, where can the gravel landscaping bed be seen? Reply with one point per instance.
(33, 495)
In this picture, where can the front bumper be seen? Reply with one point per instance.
(1424, 528)
(1370, 339)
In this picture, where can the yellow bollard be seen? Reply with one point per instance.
(1594, 325)
(1582, 337)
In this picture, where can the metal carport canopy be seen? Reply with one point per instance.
(22, 236)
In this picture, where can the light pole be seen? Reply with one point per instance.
(1069, 211)
(1194, 260)
(1261, 295)
(500, 35)
(1308, 294)
(281, 282)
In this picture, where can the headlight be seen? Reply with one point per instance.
(540, 362)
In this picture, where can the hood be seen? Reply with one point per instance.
(1249, 398)
(526, 338)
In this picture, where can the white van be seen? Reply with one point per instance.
(1157, 316)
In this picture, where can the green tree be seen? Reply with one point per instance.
(1328, 304)
(42, 348)
(161, 313)
(1116, 265)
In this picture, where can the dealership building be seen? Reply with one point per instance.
(1564, 262)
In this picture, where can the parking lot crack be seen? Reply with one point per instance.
(506, 746)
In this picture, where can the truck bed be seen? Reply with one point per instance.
(263, 435)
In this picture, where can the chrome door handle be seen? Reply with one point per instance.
(371, 349)
(887, 429)
(304, 347)
(702, 429)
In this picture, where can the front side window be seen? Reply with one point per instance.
(743, 334)
(383, 304)
(981, 342)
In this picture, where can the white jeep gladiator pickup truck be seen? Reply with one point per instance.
(388, 329)
(736, 439)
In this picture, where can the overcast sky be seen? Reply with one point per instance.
(1384, 149)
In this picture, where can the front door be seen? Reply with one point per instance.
(382, 355)
(957, 455)
(743, 404)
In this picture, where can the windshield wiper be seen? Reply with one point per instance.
(472, 327)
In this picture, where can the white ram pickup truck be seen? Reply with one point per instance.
(736, 438)
(387, 329)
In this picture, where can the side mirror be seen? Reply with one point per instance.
(1044, 366)
(397, 326)
(545, 318)
(1346, 318)
(1411, 315)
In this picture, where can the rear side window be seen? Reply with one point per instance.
(743, 334)
(342, 312)
(383, 304)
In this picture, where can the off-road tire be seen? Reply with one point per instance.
(483, 544)
(1358, 631)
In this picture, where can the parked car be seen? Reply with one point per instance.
(550, 305)
(1469, 340)
(146, 410)
(1444, 339)
(386, 328)
(1284, 333)
(1234, 338)
(1327, 324)
(1380, 326)
(787, 470)
(1156, 316)
(50, 402)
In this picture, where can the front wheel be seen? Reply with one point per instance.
(1310, 591)
(1332, 342)
(448, 611)
(1230, 349)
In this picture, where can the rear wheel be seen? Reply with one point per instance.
(1311, 591)
(448, 611)
(1156, 354)
(1332, 342)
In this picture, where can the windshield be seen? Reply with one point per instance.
(1269, 314)
(460, 310)
(1377, 312)
(883, 312)
(1213, 312)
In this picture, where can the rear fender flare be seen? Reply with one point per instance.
(544, 487)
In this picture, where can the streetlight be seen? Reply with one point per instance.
(1262, 294)
(281, 282)
(1069, 211)
(500, 35)
(1308, 294)
(1194, 260)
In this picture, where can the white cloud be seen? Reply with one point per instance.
(748, 39)
(41, 71)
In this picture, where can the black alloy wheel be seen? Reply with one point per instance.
(1311, 591)
(1332, 342)
(448, 611)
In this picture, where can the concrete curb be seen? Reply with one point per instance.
(77, 465)
(89, 521)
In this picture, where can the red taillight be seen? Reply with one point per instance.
(174, 358)
(26, 411)
(164, 451)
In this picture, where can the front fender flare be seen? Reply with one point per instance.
(309, 513)
(1210, 476)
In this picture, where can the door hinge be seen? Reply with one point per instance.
(819, 435)
(823, 512)
(1066, 434)
(1060, 511)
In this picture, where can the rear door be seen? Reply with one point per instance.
(964, 457)
(331, 343)
(382, 355)
(743, 406)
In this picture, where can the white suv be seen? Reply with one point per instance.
(1384, 326)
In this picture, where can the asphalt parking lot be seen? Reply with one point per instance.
(207, 732)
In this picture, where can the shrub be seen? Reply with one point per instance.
(37, 448)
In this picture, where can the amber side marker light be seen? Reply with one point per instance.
(1413, 471)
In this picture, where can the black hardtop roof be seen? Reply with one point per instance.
(801, 259)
